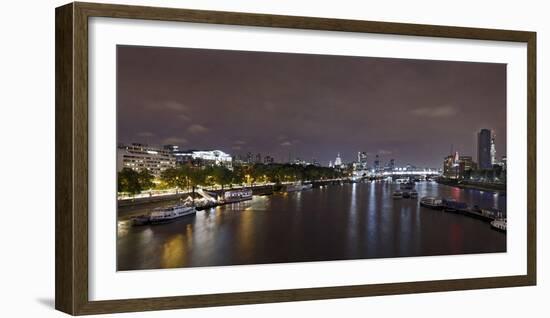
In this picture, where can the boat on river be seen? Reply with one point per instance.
(407, 190)
(452, 205)
(499, 224)
(298, 187)
(232, 196)
(167, 214)
(397, 194)
(432, 202)
(492, 213)
(140, 220)
(203, 204)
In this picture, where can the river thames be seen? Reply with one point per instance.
(335, 222)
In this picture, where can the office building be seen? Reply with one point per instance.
(450, 166)
(140, 157)
(465, 166)
(493, 151)
(484, 140)
(377, 163)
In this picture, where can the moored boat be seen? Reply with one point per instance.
(451, 205)
(167, 214)
(413, 194)
(491, 213)
(298, 187)
(237, 195)
(431, 202)
(397, 194)
(140, 220)
(499, 224)
(203, 203)
(407, 189)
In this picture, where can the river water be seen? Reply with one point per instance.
(337, 222)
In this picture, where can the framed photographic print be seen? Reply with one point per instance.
(211, 158)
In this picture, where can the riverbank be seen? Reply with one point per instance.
(257, 189)
(491, 187)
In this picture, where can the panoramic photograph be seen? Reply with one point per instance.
(240, 158)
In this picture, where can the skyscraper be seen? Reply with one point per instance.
(484, 140)
(493, 151)
(377, 163)
(362, 160)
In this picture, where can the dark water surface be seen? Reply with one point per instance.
(337, 222)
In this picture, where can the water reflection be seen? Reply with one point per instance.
(331, 223)
(245, 241)
(174, 252)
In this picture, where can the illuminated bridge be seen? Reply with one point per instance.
(397, 173)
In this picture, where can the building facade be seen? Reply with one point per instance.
(338, 161)
(451, 166)
(465, 166)
(201, 158)
(484, 141)
(140, 157)
(362, 159)
(493, 151)
(268, 159)
(458, 167)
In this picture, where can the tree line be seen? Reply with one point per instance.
(189, 177)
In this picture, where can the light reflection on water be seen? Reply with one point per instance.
(336, 222)
(174, 252)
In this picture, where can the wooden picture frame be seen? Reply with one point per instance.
(72, 280)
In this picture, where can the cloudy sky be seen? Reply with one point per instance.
(308, 106)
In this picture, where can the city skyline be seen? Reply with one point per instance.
(309, 106)
(368, 158)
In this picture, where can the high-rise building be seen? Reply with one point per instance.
(484, 140)
(377, 163)
(493, 151)
(362, 157)
(361, 163)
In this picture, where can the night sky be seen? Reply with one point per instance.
(308, 106)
